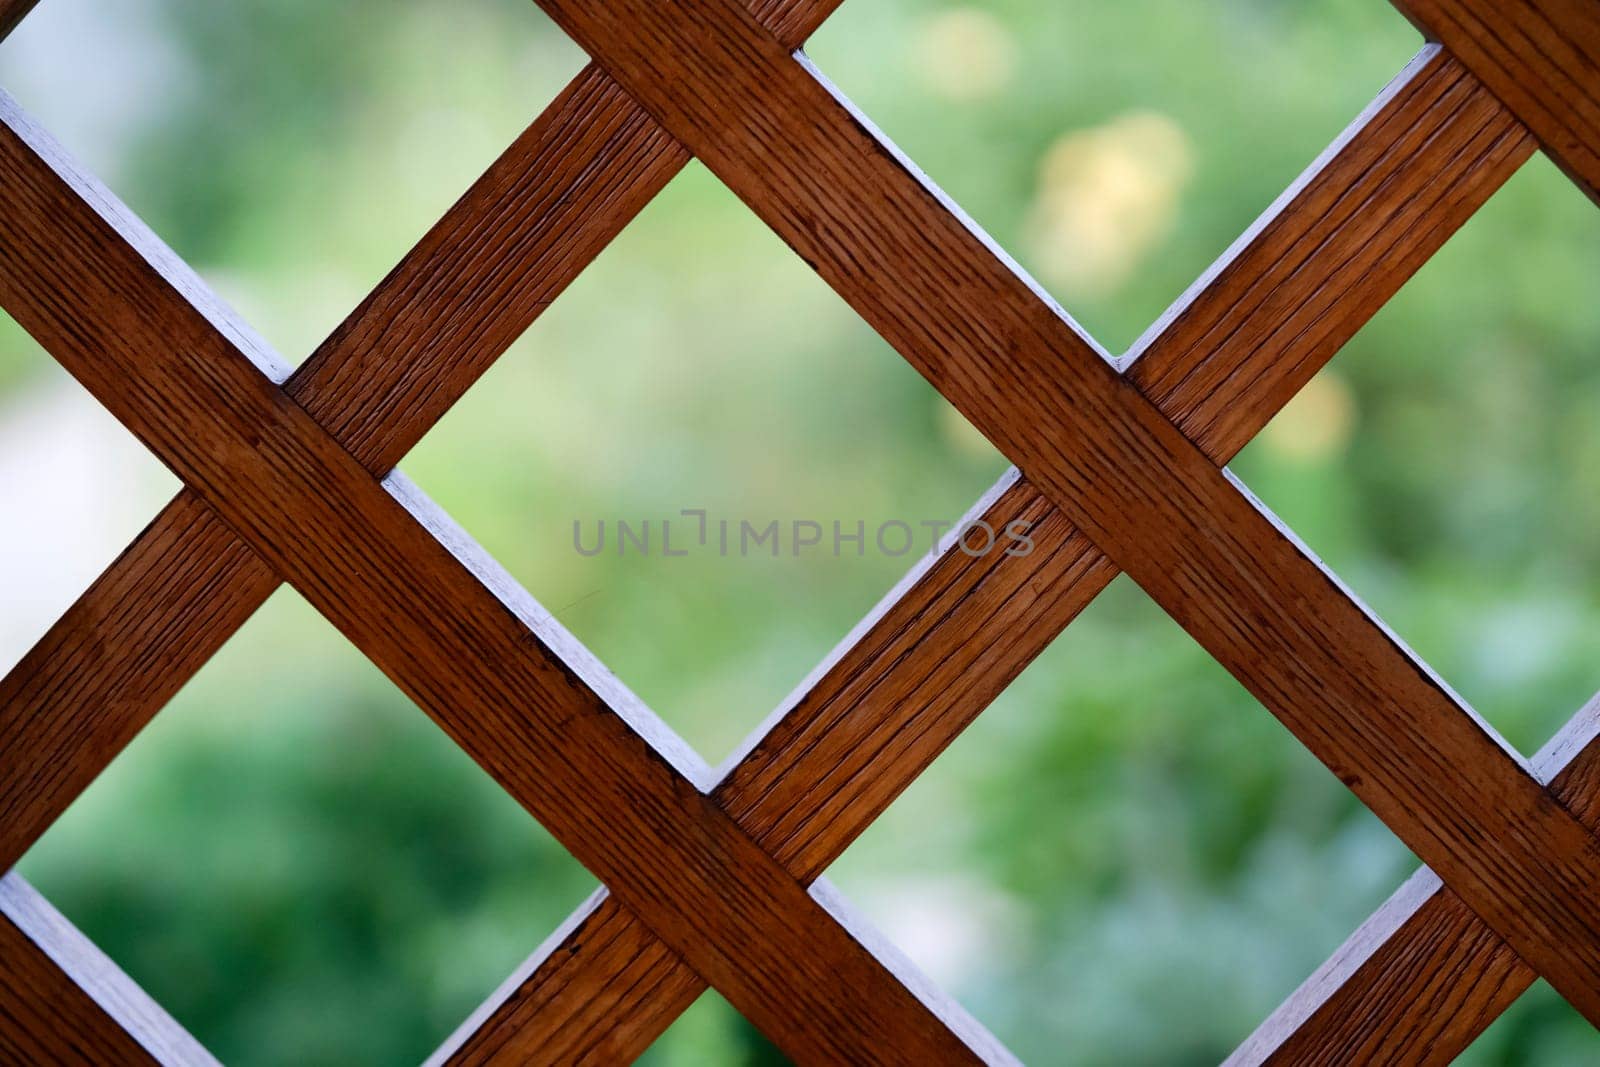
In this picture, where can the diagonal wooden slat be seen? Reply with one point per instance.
(1542, 57)
(508, 248)
(499, 676)
(1016, 367)
(603, 988)
(474, 283)
(956, 631)
(13, 12)
(1229, 331)
(79, 1007)
(1422, 978)
(501, 255)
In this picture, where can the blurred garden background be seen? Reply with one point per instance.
(1126, 860)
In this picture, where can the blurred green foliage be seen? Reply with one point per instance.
(1126, 860)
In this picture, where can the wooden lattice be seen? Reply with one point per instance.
(289, 478)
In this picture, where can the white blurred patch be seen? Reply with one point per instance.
(1521, 642)
(75, 488)
(95, 75)
(950, 926)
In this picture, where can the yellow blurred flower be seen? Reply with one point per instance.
(965, 54)
(1107, 196)
(1317, 424)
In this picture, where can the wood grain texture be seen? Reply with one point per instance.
(938, 648)
(904, 684)
(938, 291)
(958, 629)
(792, 21)
(502, 254)
(12, 12)
(1422, 978)
(1415, 984)
(139, 331)
(63, 1001)
(1542, 57)
(470, 287)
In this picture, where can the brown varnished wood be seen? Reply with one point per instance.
(1542, 57)
(792, 21)
(492, 264)
(938, 648)
(1152, 501)
(496, 260)
(486, 271)
(470, 287)
(63, 1001)
(142, 335)
(501, 255)
(945, 642)
(1333, 250)
(1422, 978)
(1416, 983)
(124, 648)
(12, 12)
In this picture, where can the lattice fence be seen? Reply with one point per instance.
(288, 479)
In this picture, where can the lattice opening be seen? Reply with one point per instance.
(289, 473)
(101, 78)
(1176, 851)
(1088, 139)
(736, 384)
(295, 222)
(1443, 465)
(75, 487)
(240, 861)
(712, 1032)
(1539, 1028)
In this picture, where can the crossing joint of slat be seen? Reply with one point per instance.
(708, 875)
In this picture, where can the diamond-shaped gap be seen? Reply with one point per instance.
(1126, 833)
(712, 1033)
(1116, 149)
(75, 488)
(290, 151)
(1444, 465)
(300, 866)
(1540, 1028)
(699, 364)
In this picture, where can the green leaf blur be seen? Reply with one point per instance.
(1126, 860)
